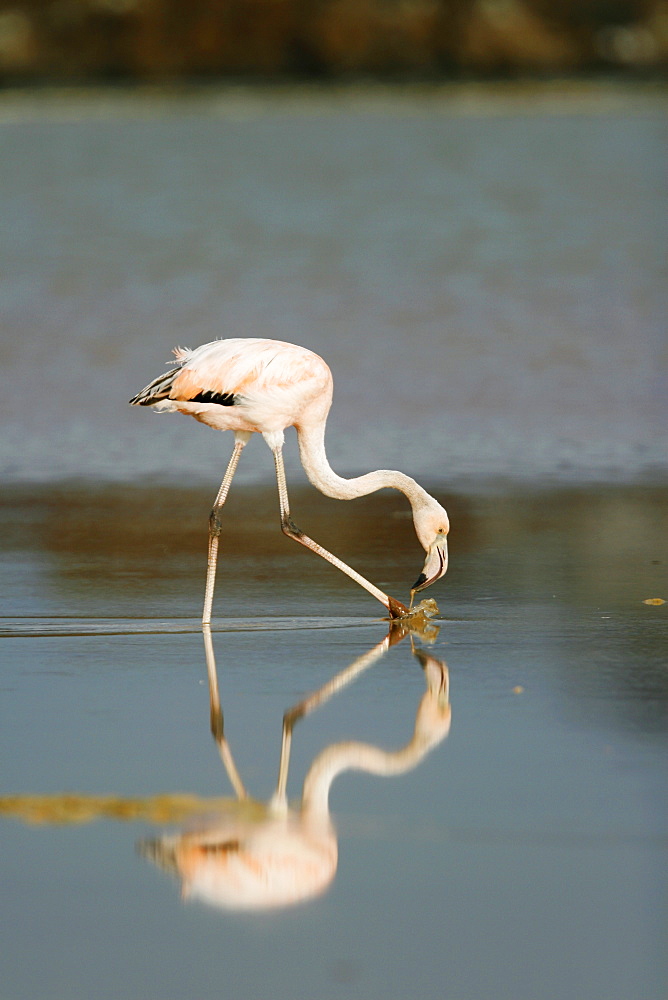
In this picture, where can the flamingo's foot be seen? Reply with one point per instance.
(413, 618)
(397, 609)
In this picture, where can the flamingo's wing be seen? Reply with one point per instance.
(270, 380)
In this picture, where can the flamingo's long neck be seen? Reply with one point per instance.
(320, 473)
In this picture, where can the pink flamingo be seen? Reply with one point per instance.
(263, 386)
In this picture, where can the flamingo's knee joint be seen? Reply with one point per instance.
(289, 528)
(214, 524)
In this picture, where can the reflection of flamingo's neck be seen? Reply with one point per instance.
(353, 756)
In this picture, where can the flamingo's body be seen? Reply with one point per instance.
(263, 386)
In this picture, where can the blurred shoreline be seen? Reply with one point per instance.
(238, 99)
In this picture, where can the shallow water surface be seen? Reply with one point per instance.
(507, 841)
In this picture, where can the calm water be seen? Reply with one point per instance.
(483, 275)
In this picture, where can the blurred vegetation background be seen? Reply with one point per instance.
(95, 41)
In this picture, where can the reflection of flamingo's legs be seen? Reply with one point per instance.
(217, 719)
(316, 698)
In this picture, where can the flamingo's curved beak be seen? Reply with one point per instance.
(435, 564)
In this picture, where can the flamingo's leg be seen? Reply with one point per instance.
(396, 608)
(240, 440)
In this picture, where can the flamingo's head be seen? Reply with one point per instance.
(431, 527)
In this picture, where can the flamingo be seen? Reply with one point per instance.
(264, 386)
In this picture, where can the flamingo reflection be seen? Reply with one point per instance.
(258, 856)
